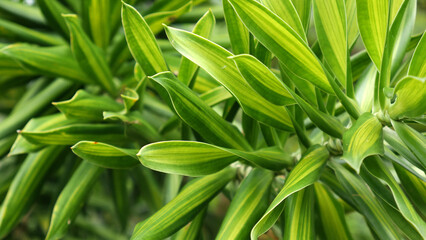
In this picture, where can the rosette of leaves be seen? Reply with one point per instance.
(245, 119)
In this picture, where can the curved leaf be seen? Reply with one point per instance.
(306, 172)
(183, 207)
(410, 98)
(105, 155)
(238, 33)
(418, 65)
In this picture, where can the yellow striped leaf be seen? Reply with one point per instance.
(247, 206)
(279, 38)
(23, 188)
(410, 98)
(299, 215)
(157, 19)
(373, 25)
(72, 198)
(418, 64)
(306, 172)
(198, 115)
(287, 12)
(351, 22)
(197, 158)
(238, 33)
(261, 79)
(214, 59)
(106, 155)
(96, 19)
(330, 25)
(184, 207)
(141, 42)
(331, 213)
(363, 139)
(303, 8)
(89, 57)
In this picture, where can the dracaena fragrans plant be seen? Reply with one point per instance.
(271, 119)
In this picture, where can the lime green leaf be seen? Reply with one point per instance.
(351, 22)
(418, 65)
(157, 19)
(197, 158)
(306, 172)
(366, 203)
(21, 145)
(49, 61)
(330, 25)
(72, 198)
(299, 215)
(262, 80)
(214, 59)
(141, 41)
(238, 33)
(410, 98)
(87, 107)
(364, 89)
(97, 20)
(414, 140)
(287, 12)
(363, 139)
(247, 206)
(24, 187)
(373, 25)
(73, 133)
(376, 167)
(52, 11)
(105, 155)
(215, 96)
(198, 115)
(33, 106)
(25, 12)
(183, 207)
(331, 213)
(192, 231)
(303, 8)
(279, 38)
(89, 57)
(14, 31)
(203, 28)
(130, 97)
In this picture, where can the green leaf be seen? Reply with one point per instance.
(203, 28)
(141, 42)
(87, 107)
(215, 96)
(13, 31)
(262, 80)
(330, 25)
(306, 172)
(247, 206)
(97, 20)
(21, 145)
(192, 231)
(198, 115)
(279, 38)
(410, 98)
(373, 25)
(366, 203)
(73, 133)
(238, 33)
(157, 19)
(351, 22)
(417, 65)
(130, 97)
(34, 105)
(72, 198)
(376, 167)
(303, 8)
(23, 12)
(118, 180)
(89, 57)
(106, 155)
(331, 213)
(363, 139)
(287, 12)
(214, 59)
(197, 158)
(299, 215)
(49, 61)
(23, 189)
(184, 207)
(52, 11)
(414, 140)
(364, 89)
